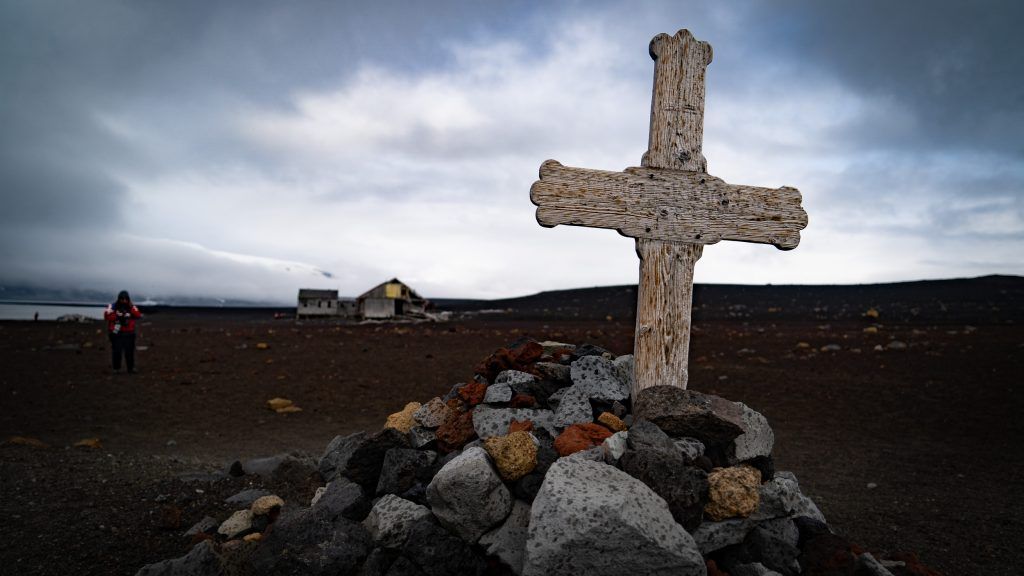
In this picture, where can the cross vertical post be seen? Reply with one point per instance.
(665, 293)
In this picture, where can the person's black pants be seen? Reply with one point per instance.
(123, 344)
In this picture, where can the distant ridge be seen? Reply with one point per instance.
(995, 298)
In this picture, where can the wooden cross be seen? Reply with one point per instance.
(671, 206)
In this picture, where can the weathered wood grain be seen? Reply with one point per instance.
(665, 295)
(670, 205)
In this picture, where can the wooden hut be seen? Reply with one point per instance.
(316, 303)
(391, 299)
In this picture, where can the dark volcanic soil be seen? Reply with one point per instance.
(915, 449)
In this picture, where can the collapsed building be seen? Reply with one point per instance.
(392, 299)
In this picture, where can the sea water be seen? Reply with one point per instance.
(27, 311)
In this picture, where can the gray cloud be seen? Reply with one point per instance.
(353, 135)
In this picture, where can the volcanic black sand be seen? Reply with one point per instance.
(914, 448)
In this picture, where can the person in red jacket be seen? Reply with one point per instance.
(121, 317)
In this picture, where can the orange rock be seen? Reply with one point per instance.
(612, 421)
(27, 441)
(733, 492)
(580, 437)
(88, 443)
(520, 426)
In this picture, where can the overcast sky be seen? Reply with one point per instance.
(246, 149)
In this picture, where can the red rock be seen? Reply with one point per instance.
(517, 425)
(528, 353)
(572, 440)
(713, 569)
(523, 401)
(473, 393)
(580, 437)
(454, 433)
(457, 406)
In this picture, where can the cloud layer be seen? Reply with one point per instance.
(236, 151)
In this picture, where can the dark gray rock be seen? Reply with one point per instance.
(208, 525)
(757, 438)
(359, 457)
(403, 467)
(245, 498)
(692, 449)
(591, 518)
(420, 437)
(645, 434)
(337, 453)
(308, 542)
(508, 541)
(775, 544)
(555, 372)
(268, 466)
(201, 560)
(710, 419)
(391, 519)
(713, 536)
(343, 498)
(436, 552)
(378, 562)
(590, 350)
(683, 487)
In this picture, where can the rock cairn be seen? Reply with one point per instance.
(543, 465)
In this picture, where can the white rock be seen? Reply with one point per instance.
(236, 524)
(468, 496)
(516, 380)
(594, 519)
(615, 445)
(498, 393)
(489, 421)
(599, 378)
(625, 369)
(508, 541)
(574, 406)
(391, 519)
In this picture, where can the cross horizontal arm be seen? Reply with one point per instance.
(668, 205)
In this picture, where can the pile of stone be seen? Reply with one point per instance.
(543, 465)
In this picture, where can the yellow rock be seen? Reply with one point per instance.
(871, 330)
(266, 504)
(871, 313)
(254, 537)
(612, 421)
(403, 421)
(88, 443)
(278, 403)
(262, 345)
(515, 455)
(802, 345)
(27, 441)
(733, 492)
(288, 409)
